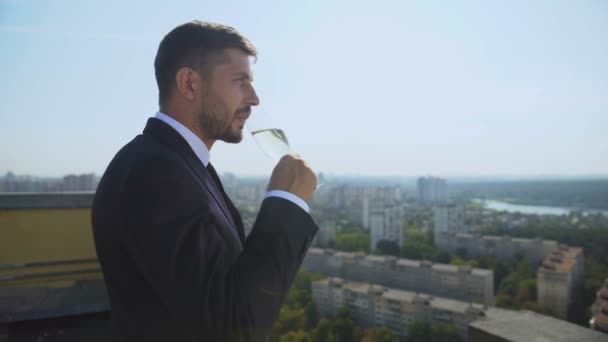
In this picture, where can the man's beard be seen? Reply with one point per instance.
(217, 123)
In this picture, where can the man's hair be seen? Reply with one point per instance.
(196, 45)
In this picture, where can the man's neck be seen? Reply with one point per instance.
(192, 125)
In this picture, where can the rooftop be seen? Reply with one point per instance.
(505, 237)
(406, 296)
(379, 258)
(317, 251)
(553, 266)
(46, 200)
(454, 305)
(481, 272)
(383, 259)
(527, 326)
(445, 267)
(525, 241)
(408, 262)
(561, 261)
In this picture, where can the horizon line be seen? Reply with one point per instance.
(351, 175)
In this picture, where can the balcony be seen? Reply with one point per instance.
(49, 271)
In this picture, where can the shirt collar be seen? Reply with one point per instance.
(196, 144)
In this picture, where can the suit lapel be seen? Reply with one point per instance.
(172, 138)
(203, 174)
(236, 217)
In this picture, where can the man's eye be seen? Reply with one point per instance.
(242, 81)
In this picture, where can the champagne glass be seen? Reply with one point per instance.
(272, 141)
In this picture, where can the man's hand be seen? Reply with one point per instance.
(293, 175)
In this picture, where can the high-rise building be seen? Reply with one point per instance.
(326, 234)
(387, 223)
(432, 190)
(229, 181)
(377, 198)
(84, 182)
(25, 183)
(450, 281)
(558, 276)
(9, 181)
(365, 210)
(338, 197)
(447, 219)
(321, 178)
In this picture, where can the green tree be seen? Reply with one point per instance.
(311, 313)
(419, 331)
(386, 247)
(525, 270)
(351, 228)
(289, 320)
(533, 306)
(321, 332)
(509, 284)
(505, 301)
(353, 242)
(342, 312)
(526, 291)
(346, 330)
(418, 245)
(337, 329)
(296, 336)
(298, 311)
(381, 334)
(443, 257)
(501, 270)
(444, 333)
(457, 260)
(518, 287)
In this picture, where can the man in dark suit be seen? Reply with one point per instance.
(171, 244)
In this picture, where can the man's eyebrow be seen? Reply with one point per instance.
(245, 75)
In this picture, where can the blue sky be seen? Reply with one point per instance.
(375, 88)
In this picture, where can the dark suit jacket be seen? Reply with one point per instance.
(172, 248)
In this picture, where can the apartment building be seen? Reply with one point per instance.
(450, 281)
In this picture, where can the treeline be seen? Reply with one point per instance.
(352, 239)
(564, 193)
(593, 238)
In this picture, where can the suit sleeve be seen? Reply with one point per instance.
(176, 245)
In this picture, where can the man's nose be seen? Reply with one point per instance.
(253, 99)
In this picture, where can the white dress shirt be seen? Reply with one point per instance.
(202, 152)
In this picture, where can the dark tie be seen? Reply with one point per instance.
(216, 180)
(235, 213)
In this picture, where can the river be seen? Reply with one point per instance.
(534, 209)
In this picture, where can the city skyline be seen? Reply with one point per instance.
(363, 177)
(394, 89)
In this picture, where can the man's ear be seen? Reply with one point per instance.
(187, 82)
